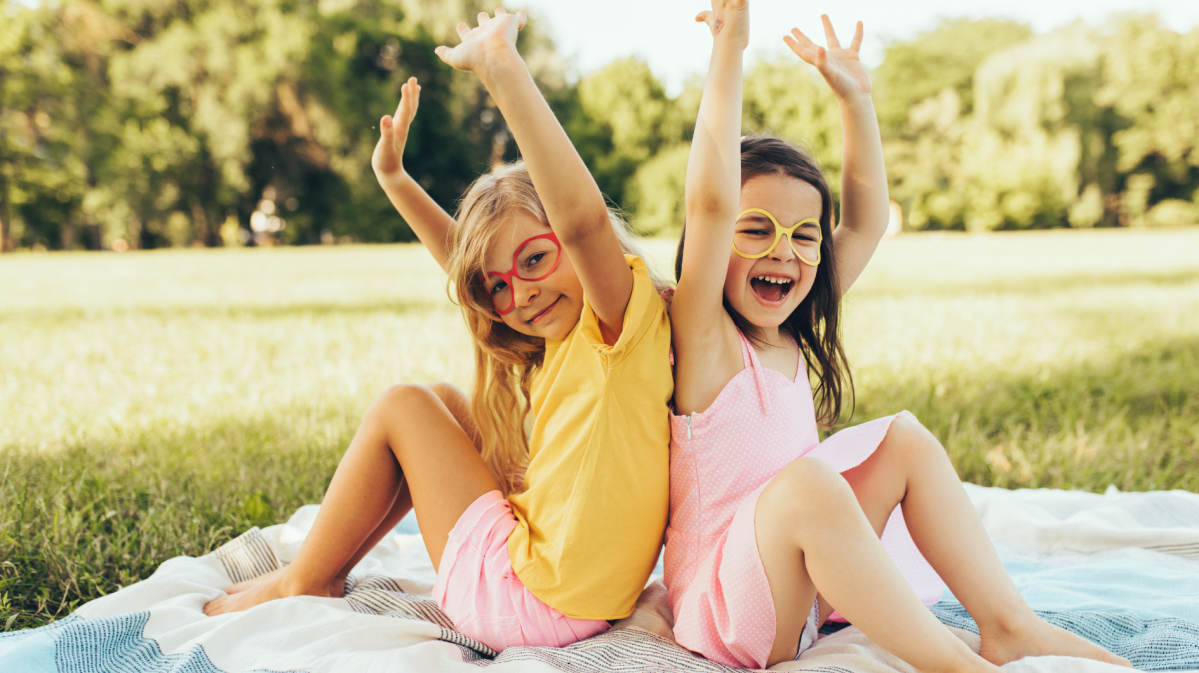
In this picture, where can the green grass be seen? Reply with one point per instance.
(157, 404)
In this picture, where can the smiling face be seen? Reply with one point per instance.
(768, 289)
(548, 308)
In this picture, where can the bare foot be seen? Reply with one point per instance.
(1038, 638)
(242, 586)
(273, 585)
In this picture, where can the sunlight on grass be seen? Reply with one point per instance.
(159, 403)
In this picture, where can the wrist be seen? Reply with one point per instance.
(730, 41)
(858, 102)
(500, 63)
(393, 179)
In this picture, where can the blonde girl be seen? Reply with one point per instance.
(541, 530)
(770, 528)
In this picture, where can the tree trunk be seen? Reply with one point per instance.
(202, 233)
(6, 242)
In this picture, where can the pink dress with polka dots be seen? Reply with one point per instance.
(720, 460)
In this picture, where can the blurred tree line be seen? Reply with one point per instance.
(131, 124)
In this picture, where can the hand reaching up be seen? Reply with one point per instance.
(495, 36)
(728, 20)
(389, 152)
(840, 67)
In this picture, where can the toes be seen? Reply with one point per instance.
(1119, 661)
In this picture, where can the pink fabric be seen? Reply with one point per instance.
(477, 588)
(719, 464)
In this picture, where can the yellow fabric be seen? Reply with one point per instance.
(598, 482)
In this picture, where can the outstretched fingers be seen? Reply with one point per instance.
(803, 47)
(409, 101)
(856, 44)
(830, 35)
(521, 17)
(393, 130)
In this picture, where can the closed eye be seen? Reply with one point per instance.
(754, 232)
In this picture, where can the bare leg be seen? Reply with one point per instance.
(811, 533)
(911, 467)
(337, 586)
(458, 405)
(409, 434)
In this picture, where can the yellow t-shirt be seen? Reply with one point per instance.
(598, 483)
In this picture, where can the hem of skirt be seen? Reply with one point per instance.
(458, 537)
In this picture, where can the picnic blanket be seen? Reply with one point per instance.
(1121, 569)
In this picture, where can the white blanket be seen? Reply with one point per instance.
(387, 622)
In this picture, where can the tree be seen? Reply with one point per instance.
(943, 58)
(1149, 79)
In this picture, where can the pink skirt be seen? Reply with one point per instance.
(479, 591)
(726, 613)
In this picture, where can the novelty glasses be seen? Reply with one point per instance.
(535, 259)
(754, 237)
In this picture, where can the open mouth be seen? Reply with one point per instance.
(771, 289)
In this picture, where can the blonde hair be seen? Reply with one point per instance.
(505, 360)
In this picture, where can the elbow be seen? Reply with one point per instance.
(584, 226)
(708, 205)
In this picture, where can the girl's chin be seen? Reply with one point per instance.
(764, 317)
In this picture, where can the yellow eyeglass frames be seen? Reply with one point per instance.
(752, 240)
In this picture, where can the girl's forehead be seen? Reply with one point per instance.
(514, 230)
(785, 196)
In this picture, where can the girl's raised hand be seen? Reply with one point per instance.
(728, 20)
(840, 67)
(389, 152)
(494, 36)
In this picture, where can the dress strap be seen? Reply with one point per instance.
(750, 358)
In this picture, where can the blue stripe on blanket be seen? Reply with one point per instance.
(1147, 590)
(116, 643)
(1151, 645)
(1141, 611)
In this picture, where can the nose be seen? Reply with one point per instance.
(524, 291)
(783, 252)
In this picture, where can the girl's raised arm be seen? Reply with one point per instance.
(432, 225)
(572, 200)
(698, 320)
(865, 205)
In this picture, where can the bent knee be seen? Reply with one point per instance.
(804, 485)
(449, 393)
(405, 397)
(907, 436)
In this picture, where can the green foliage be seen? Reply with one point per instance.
(156, 124)
(788, 99)
(940, 59)
(133, 124)
(1078, 128)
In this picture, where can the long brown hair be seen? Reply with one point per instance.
(505, 360)
(816, 323)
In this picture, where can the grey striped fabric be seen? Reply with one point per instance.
(247, 556)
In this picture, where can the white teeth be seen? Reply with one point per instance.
(773, 279)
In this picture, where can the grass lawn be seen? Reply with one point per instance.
(159, 403)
